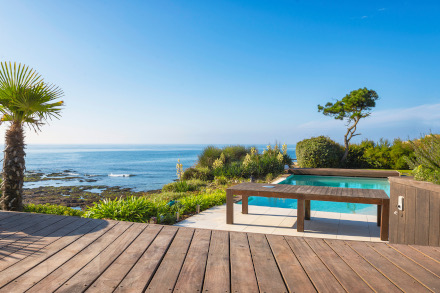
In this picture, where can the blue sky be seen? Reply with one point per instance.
(227, 71)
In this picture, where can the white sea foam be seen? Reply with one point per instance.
(120, 175)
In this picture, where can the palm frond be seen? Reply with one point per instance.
(26, 98)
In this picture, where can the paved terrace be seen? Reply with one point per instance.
(46, 253)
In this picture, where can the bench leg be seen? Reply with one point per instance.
(385, 220)
(244, 204)
(307, 209)
(379, 214)
(229, 207)
(300, 216)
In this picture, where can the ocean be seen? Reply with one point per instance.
(140, 167)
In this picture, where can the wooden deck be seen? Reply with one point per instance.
(46, 253)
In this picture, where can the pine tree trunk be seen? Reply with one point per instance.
(13, 169)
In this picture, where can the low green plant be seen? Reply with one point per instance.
(52, 209)
(220, 180)
(132, 209)
(208, 156)
(184, 185)
(142, 209)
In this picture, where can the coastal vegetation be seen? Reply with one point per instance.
(235, 162)
(322, 152)
(353, 107)
(426, 159)
(25, 100)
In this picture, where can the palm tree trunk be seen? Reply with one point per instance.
(13, 169)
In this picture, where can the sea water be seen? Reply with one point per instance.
(140, 167)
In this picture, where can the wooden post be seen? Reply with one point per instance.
(385, 221)
(307, 211)
(229, 207)
(244, 204)
(300, 216)
(379, 214)
(198, 208)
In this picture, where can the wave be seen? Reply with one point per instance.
(120, 175)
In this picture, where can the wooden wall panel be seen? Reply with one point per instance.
(419, 222)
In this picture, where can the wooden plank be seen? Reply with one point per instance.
(15, 224)
(229, 206)
(418, 257)
(141, 274)
(115, 273)
(368, 273)
(243, 277)
(416, 271)
(385, 220)
(217, 276)
(401, 279)
(35, 247)
(321, 277)
(73, 240)
(166, 275)
(193, 271)
(410, 215)
(294, 276)
(32, 229)
(394, 214)
(268, 276)
(67, 263)
(422, 217)
(434, 218)
(90, 272)
(342, 272)
(431, 252)
(300, 215)
(24, 245)
(5, 215)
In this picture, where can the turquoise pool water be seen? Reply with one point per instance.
(327, 206)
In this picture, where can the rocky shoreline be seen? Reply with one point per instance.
(75, 196)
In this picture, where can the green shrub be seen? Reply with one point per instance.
(318, 152)
(399, 151)
(52, 209)
(208, 156)
(201, 173)
(426, 160)
(235, 153)
(220, 180)
(269, 178)
(184, 185)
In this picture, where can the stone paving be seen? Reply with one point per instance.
(282, 221)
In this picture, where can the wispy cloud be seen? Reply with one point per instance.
(381, 9)
(363, 17)
(391, 123)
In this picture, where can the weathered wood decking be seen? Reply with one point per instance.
(46, 253)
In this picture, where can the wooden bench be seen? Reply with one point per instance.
(304, 194)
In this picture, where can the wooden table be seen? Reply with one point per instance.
(304, 194)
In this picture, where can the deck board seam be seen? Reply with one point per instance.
(252, 259)
(300, 263)
(114, 259)
(380, 271)
(325, 240)
(30, 255)
(78, 252)
(402, 269)
(328, 268)
(276, 262)
(140, 256)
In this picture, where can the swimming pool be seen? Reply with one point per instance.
(328, 206)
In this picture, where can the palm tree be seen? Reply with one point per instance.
(25, 99)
